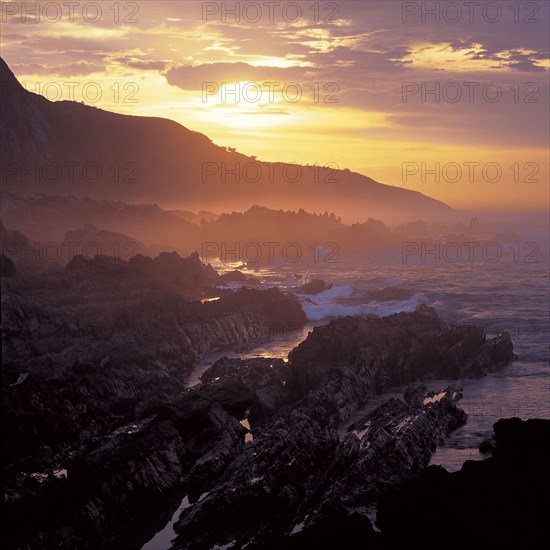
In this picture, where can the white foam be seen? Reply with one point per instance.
(325, 305)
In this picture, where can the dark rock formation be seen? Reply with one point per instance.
(187, 275)
(395, 439)
(487, 446)
(494, 503)
(350, 531)
(315, 286)
(234, 276)
(93, 348)
(374, 353)
(299, 471)
(7, 267)
(14, 245)
(264, 376)
(113, 483)
(296, 465)
(390, 293)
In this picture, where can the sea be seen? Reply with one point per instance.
(511, 294)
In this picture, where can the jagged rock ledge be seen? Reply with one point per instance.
(296, 467)
(296, 470)
(106, 342)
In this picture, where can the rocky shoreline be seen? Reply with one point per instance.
(297, 470)
(93, 347)
(255, 447)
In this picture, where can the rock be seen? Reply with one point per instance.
(297, 471)
(265, 377)
(240, 368)
(283, 310)
(487, 446)
(395, 439)
(14, 247)
(188, 275)
(233, 276)
(350, 531)
(106, 346)
(134, 442)
(497, 502)
(315, 286)
(264, 486)
(376, 353)
(102, 350)
(44, 455)
(521, 441)
(112, 485)
(7, 267)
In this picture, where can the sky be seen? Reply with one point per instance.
(447, 98)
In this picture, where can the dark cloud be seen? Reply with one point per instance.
(516, 60)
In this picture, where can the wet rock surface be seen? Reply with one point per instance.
(390, 293)
(236, 276)
(291, 470)
(103, 343)
(7, 267)
(397, 438)
(315, 286)
(301, 473)
(92, 366)
(114, 483)
(373, 353)
(298, 470)
(266, 377)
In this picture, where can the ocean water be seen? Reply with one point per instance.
(506, 295)
(511, 295)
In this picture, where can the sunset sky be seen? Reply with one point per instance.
(361, 67)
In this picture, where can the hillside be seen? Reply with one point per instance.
(68, 148)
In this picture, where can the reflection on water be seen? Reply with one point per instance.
(521, 389)
(275, 344)
(163, 539)
(248, 437)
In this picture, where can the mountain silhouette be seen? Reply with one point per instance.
(68, 148)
